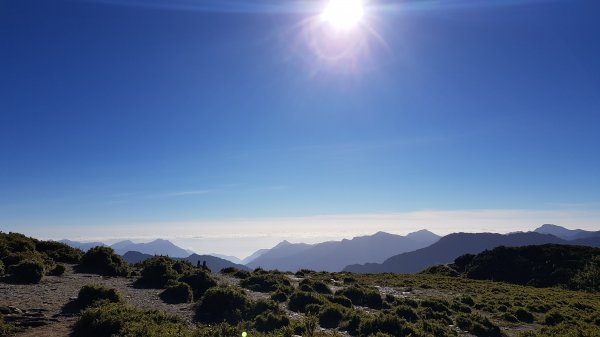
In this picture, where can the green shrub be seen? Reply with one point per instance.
(436, 305)
(363, 296)
(341, 300)
(111, 320)
(241, 274)
(524, 315)
(1, 268)
(264, 282)
(268, 322)
(299, 300)
(478, 325)
(103, 261)
(199, 280)
(222, 304)
(58, 270)
(27, 271)
(387, 324)
(406, 312)
(182, 266)
(5, 328)
(59, 252)
(279, 296)
(157, 273)
(178, 293)
(553, 318)
(330, 316)
(91, 294)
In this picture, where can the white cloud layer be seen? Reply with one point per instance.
(241, 237)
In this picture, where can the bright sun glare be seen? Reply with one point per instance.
(343, 14)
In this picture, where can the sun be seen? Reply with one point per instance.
(343, 14)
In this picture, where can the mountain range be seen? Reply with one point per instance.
(566, 234)
(454, 245)
(212, 262)
(333, 256)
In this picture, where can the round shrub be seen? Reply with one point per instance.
(241, 274)
(59, 270)
(363, 296)
(199, 280)
(178, 293)
(341, 300)
(268, 322)
(1, 268)
(407, 313)
(330, 317)
(300, 300)
(524, 315)
(321, 288)
(387, 324)
(157, 272)
(103, 261)
(27, 271)
(279, 296)
(59, 252)
(92, 294)
(264, 282)
(554, 318)
(222, 304)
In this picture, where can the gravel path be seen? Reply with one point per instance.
(37, 310)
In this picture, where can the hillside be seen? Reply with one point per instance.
(334, 255)
(565, 233)
(575, 267)
(452, 246)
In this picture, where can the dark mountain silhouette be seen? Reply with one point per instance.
(135, 257)
(452, 246)
(334, 255)
(254, 256)
(156, 247)
(85, 246)
(567, 234)
(214, 263)
(538, 266)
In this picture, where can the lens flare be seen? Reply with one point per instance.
(343, 14)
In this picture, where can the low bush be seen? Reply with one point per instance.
(553, 318)
(27, 271)
(58, 270)
(406, 312)
(279, 296)
(157, 272)
(223, 304)
(478, 325)
(330, 316)
(59, 251)
(5, 328)
(264, 282)
(524, 315)
(90, 295)
(300, 300)
(1, 268)
(268, 322)
(103, 261)
(387, 324)
(177, 293)
(199, 280)
(363, 296)
(116, 319)
(341, 300)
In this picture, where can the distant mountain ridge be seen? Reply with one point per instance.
(156, 247)
(213, 262)
(85, 246)
(335, 255)
(567, 234)
(454, 245)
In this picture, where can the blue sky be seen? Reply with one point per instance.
(129, 113)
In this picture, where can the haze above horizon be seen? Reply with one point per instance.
(243, 123)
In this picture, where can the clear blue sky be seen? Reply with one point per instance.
(130, 112)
